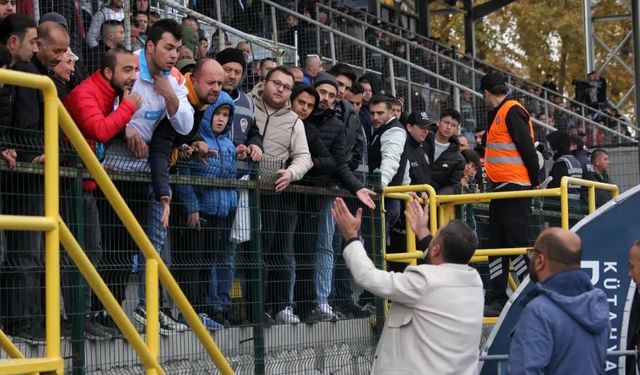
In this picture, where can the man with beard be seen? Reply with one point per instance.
(91, 105)
(244, 133)
(436, 311)
(165, 95)
(112, 36)
(564, 327)
(332, 136)
(24, 261)
(285, 143)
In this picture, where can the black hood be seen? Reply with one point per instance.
(560, 143)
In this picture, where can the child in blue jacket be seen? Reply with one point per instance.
(210, 212)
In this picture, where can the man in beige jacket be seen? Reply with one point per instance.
(435, 319)
(286, 151)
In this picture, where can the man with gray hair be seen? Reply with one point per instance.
(312, 67)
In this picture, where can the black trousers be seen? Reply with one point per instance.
(508, 227)
(279, 219)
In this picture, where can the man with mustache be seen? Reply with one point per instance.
(332, 136)
(25, 249)
(91, 105)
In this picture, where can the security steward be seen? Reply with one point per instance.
(511, 164)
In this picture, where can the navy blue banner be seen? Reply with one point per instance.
(606, 237)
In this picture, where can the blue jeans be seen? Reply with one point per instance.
(157, 235)
(323, 264)
(221, 281)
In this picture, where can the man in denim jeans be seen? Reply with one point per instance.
(164, 94)
(331, 132)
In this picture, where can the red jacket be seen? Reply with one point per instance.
(90, 104)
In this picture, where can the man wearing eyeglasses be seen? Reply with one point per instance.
(285, 144)
(564, 327)
(443, 152)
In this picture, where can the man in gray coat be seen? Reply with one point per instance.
(435, 319)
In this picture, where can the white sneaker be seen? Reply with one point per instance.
(287, 316)
(325, 313)
(168, 321)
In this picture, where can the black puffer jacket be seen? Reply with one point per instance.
(332, 135)
(354, 143)
(446, 171)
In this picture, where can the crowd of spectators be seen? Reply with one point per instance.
(178, 105)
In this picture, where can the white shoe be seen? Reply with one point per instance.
(287, 316)
(168, 321)
(325, 313)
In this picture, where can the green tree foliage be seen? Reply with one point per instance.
(535, 38)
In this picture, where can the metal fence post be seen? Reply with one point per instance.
(318, 51)
(153, 308)
(332, 44)
(127, 25)
(408, 101)
(255, 276)
(77, 282)
(392, 79)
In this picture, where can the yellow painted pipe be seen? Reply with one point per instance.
(52, 212)
(31, 365)
(512, 283)
(592, 198)
(564, 202)
(142, 241)
(8, 347)
(479, 259)
(30, 223)
(473, 198)
(502, 252)
(153, 311)
(489, 320)
(102, 291)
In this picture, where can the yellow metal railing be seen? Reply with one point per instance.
(442, 209)
(57, 232)
(49, 225)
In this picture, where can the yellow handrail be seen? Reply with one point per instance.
(142, 241)
(51, 213)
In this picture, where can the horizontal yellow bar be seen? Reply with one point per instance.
(598, 185)
(25, 365)
(30, 223)
(477, 259)
(403, 256)
(490, 320)
(410, 189)
(481, 253)
(34, 81)
(476, 198)
(501, 252)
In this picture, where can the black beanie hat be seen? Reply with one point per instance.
(231, 55)
(323, 78)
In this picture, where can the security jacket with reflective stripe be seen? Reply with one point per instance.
(566, 165)
(517, 124)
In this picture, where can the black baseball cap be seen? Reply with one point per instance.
(420, 119)
(491, 80)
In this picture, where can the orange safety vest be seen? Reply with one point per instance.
(502, 159)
